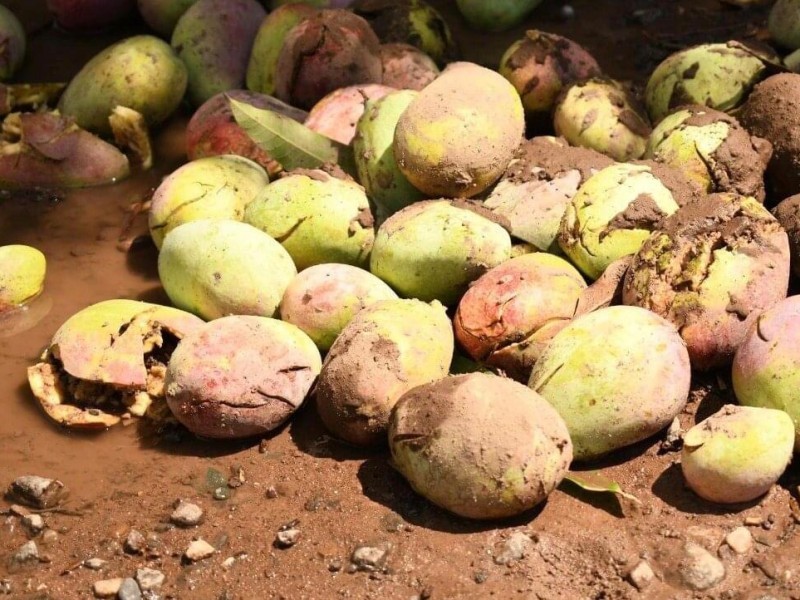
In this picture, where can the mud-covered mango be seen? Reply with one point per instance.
(458, 135)
(386, 349)
(433, 250)
(142, 73)
(213, 39)
(218, 268)
(616, 376)
(318, 218)
(217, 187)
(323, 299)
(22, 271)
(377, 168)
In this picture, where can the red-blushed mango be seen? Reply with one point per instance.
(336, 115)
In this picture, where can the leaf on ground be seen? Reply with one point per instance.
(594, 481)
(292, 144)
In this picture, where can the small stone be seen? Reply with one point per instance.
(369, 558)
(515, 548)
(335, 565)
(228, 562)
(272, 493)
(129, 590)
(287, 538)
(641, 576)
(199, 550)
(673, 440)
(149, 579)
(753, 521)
(28, 552)
(49, 537)
(38, 492)
(134, 543)
(5, 587)
(700, 570)
(480, 577)
(740, 540)
(186, 514)
(33, 523)
(221, 493)
(107, 588)
(94, 564)
(18, 510)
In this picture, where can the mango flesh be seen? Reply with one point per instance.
(608, 390)
(612, 215)
(458, 135)
(433, 250)
(14, 42)
(766, 367)
(737, 454)
(213, 38)
(323, 299)
(384, 351)
(479, 445)
(142, 73)
(318, 218)
(336, 115)
(22, 272)
(377, 167)
(217, 268)
(218, 187)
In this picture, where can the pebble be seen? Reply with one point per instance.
(272, 493)
(335, 565)
(107, 588)
(33, 523)
(49, 537)
(129, 590)
(134, 543)
(700, 570)
(740, 540)
(149, 579)
(369, 558)
(199, 550)
(641, 576)
(38, 492)
(516, 548)
(28, 552)
(753, 521)
(287, 538)
(186, 514)
(5, 587)
(94, 564)
(673, 440)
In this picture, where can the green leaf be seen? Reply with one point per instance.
(292, 144)
(594, 481)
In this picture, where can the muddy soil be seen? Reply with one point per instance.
(579, 546)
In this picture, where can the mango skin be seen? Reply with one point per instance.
(22, 273)
(497, 15)
(479, 445)
(737, 454)
(324, 298)
(766, 367)
(14, 41)
(142, 73)
(325, 219)
(457, 137)
(384, 351)
(217, 268)
(213, 38)
(609, 392)
(163, 15)
(217, 187)
(377, 167)
(433, 250)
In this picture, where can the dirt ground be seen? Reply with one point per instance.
(580, 545)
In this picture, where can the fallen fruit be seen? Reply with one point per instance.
(737, 454)
(89, 15)
(163, 15)
(788, 215)
(497, 15)
(608, 391)
(478, 445)
(784, 23)
(336, 115)
(22, 272)
(13, 41)
(406, 67)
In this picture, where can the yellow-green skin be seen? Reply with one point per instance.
(458, 135)
(737, 454)
(22, 272)
(599, 114)
(316, 217)
(616, 376)
(497, 15)
(323, 299)
(219, 268)
(766, 367)
(430, 31)
(721, 77)
(479, 445)
(142, 73)
(216, 187)
(687, 147)
(267, 46)
(433, 250)
(374, 155)
(587, 235)
(784, 23)
(387, 349)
